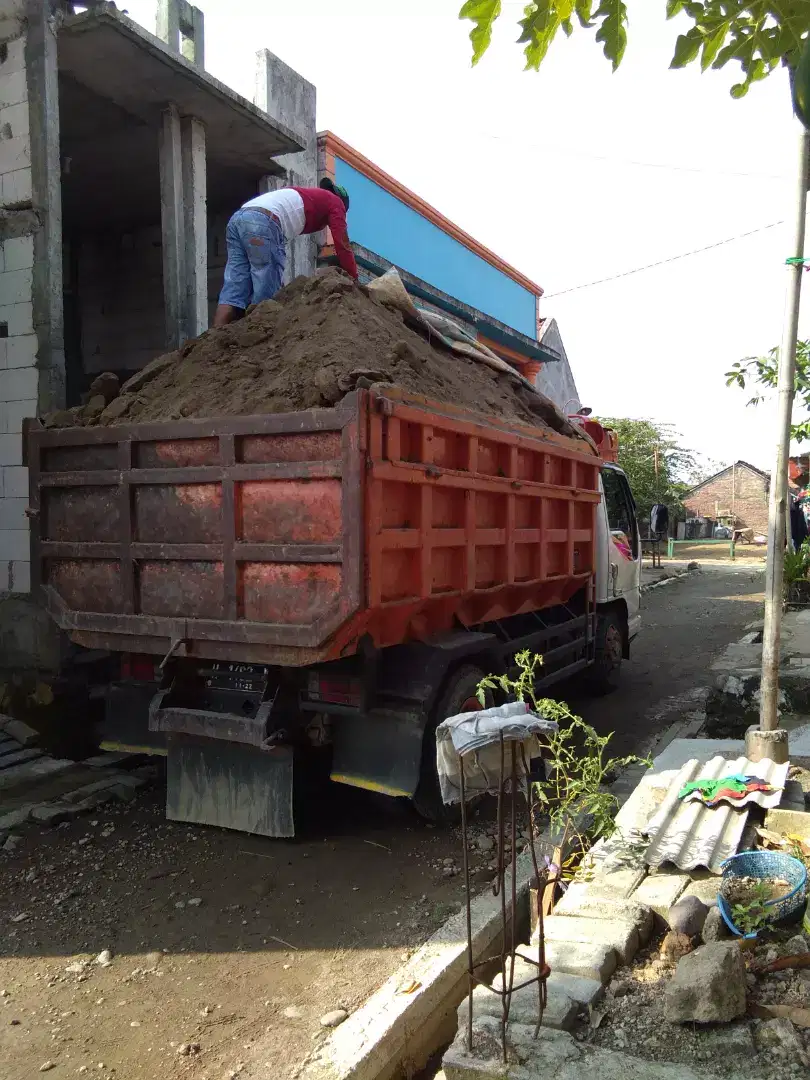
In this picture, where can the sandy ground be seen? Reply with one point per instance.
(226, 949)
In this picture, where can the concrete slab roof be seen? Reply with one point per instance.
(120, 61)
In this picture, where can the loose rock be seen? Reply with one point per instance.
(688, 916)
(334, 1019)
(104, 958)
(714, 928)
(708, 986)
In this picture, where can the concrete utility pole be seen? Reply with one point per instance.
(768, 740)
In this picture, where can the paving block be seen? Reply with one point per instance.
(10, 762)
(33, 771)
(589, 960)
(560, 1012)
(660, 891)
(618, 934)
(81, 793)
(51, 813)
(544, 1054)
(583, 991)
(12, 819)
(704, 885)
(582, 903)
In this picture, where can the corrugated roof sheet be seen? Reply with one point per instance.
(689, 833)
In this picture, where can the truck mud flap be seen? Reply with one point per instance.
(380, 751)
(230, 785)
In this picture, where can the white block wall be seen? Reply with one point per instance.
(18, 344)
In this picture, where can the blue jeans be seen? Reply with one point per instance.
(256, 258)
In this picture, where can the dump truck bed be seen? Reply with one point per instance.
(286, 538)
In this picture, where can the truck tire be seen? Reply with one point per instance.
(457, 697)
(603, 675)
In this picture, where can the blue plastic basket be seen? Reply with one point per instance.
(767, 864)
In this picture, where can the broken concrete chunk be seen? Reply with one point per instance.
(106, 385)
(708, 986)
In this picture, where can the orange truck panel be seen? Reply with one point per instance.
(287, 538)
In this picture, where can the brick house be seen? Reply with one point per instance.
(739, 492)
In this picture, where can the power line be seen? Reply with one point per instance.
(550, 148)
(663, 262)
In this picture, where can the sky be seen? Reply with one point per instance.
(572, 174)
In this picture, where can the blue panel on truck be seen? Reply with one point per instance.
(382, 223)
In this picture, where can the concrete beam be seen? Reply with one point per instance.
(192, 140)
(182, 27)
(289, 99)
(172, 225)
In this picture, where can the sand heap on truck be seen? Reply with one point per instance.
(318, 340)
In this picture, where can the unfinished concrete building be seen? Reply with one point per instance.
(120, 162)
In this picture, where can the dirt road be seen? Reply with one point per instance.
(227, 950)
(685, 625)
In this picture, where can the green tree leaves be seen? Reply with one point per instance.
(763, 371)
(483, 13)
(756, 34)
(658, 468)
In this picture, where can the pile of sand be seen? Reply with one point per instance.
(306, 349)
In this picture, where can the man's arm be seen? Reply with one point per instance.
(340, 237)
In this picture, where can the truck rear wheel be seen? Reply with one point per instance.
(458, 697)
(603, 675)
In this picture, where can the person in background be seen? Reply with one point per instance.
(257, 235)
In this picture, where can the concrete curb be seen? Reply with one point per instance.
(395, 1032)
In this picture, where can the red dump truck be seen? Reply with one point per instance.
(338, 577)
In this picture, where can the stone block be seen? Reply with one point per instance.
(546, 1053)
(583, 991)
(618, 934)
(16, 187)
(594, 907)
(82, 793)
(18, 253)
(14, 481)
(52, 814)
(15, 153)
(590, 960)
(660, 891)
(12, 819)
(560, 1012)
(13, 413)
(13, 87)
(14, 543)
(18, 318)
(704, 885)
(15, 286)
(17, 119)
(20, 352)
(21, 732)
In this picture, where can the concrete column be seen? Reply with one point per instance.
(182, 27)
(287, 97)
(172, 225)
(192, 140)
